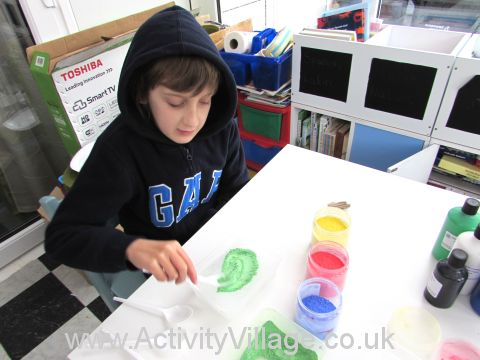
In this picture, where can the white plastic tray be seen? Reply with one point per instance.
(230, 304)
(291, 330)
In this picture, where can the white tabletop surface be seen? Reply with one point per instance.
(395, 222)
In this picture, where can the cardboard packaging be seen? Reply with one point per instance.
(78, 74)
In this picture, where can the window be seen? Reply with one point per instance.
(453, 15)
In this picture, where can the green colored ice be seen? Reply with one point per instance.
(288, 349)
(238, 269)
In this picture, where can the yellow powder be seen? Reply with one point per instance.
(331, 223)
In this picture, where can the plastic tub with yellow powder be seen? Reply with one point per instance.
(331, 224)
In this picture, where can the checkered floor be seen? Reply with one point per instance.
(43, 303)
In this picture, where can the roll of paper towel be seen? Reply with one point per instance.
(239, 42)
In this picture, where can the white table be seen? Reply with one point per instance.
(395, 222)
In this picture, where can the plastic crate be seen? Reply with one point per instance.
(263, 122)
(258, 154)
(268, 73)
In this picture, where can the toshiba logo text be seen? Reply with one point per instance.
(70, 74)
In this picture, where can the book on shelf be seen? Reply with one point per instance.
(345, 35)
(454, 175)
(332, 137)
(456, 183)
(331, 134)
(302, 115)
(324, 122)
(460, 167)
(340, 139)
(305, 142)
(346, 138)
(354, 17)
(314, 122)
(279, 103)
(460, 154)
(284, 89)
(326, 141)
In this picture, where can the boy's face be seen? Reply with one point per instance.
(179, 115)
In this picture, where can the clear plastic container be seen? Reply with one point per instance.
(331, 224)
(329, 260)
(319, 303)
(269, 324)
(415, 332)
(456, 349)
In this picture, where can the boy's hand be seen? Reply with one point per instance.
(165, 259)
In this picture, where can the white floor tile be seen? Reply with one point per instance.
(3, 354)
(76, 283)
(57, 346)
(23, 260)
(21, 280)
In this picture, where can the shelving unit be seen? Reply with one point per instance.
(450, 183)
(264, 131)
(394, 127)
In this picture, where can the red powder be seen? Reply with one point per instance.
(327, 260)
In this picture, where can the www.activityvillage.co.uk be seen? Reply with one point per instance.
(205, 339)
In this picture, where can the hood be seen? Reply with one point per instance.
(172, 32)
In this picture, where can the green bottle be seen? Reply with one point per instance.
(459, 219)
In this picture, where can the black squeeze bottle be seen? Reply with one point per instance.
(447, 280)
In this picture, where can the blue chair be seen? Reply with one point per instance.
(108, 285)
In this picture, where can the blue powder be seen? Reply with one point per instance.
(318, 304)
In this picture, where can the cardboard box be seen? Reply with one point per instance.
(78, 74)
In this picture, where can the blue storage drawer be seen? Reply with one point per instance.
(258, 154)
(268, 73)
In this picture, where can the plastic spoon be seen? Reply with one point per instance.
(209, 279)
(173, 314)
(133, 353)
(128, 346)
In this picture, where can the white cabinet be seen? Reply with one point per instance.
(392, 130)
(396, 78)
(458, 120)
(369, 144)
(418, 166)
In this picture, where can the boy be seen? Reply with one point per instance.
(169, 161)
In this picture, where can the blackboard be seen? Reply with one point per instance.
(325, 73)
(399, 88)
(465, 114)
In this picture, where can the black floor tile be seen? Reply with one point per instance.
(34, 314)
(49, 263)
(99, 309)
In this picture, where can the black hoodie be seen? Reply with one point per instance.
(158, 189)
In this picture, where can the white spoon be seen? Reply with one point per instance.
(128, 346)
(133, 353)
(173, 314)
(209, 279)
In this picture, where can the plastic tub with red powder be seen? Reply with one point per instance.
(329, 260)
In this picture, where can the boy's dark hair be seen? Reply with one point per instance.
(178, 73)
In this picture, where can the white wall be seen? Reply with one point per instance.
(296, 14)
